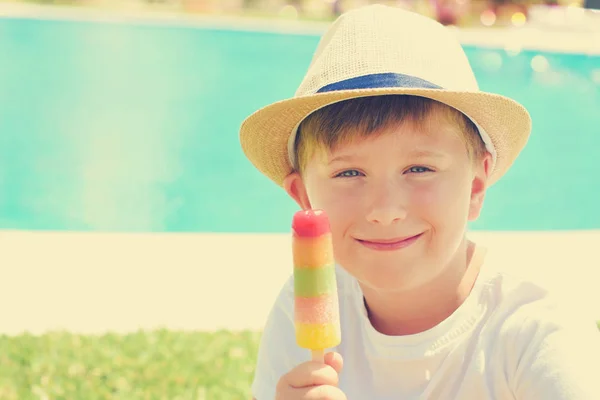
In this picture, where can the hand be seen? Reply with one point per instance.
(312, 381)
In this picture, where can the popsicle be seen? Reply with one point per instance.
(316, 305)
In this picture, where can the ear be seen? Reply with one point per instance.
(296, 189)
(479, 185)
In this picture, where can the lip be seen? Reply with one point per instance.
(389, 244)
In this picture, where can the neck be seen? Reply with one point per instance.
(423, 307)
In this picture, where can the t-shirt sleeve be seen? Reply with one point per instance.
(278, 352)
(559, 360)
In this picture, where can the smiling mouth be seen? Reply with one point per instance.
(389, 244)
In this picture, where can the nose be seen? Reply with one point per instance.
(387, 206)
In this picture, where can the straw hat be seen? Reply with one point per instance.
(381, 50)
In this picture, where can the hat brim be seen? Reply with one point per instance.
(264, 134)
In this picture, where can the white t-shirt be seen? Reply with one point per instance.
(510, 339)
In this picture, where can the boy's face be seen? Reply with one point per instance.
(398, 202)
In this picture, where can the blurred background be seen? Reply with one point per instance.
(448, 12)
(140, 252)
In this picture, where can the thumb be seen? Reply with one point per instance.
(335, 361)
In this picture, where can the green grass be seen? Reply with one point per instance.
(153, 365)
(146, 365)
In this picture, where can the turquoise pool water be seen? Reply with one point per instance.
(121, 127)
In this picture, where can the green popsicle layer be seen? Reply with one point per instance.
(311, 282)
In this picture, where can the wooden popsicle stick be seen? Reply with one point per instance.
(318, 355)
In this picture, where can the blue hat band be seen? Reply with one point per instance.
(375, 81)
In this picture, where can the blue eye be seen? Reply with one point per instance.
(418, 169)
(348, 174)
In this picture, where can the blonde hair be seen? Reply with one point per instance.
(343, 122)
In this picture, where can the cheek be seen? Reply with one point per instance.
(332, 196)
(339, 204)
(439, 200)
(425, 195)
(325, 198)
(428, 198)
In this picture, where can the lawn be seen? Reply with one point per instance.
(152, 365)
(145, 365)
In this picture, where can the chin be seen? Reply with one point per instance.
(384, 277)
(381, 285)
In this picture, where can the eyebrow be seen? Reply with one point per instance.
(412, 154)
(347, 157)
(427, 154)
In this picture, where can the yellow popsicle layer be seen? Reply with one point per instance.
(318, 336)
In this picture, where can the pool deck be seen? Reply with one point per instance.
(98, 282)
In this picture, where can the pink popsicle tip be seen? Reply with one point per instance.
(310, 223)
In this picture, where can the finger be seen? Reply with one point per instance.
(312, 373)
(324, 392)
(335, 360)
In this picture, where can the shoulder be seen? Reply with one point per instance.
(526, 302)
(534, 270)
(548, 341)
(522, 284)
(531, 312)
(552, 348)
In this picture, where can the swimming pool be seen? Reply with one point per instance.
(125, 127)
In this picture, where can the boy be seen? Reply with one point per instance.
(389, 134)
